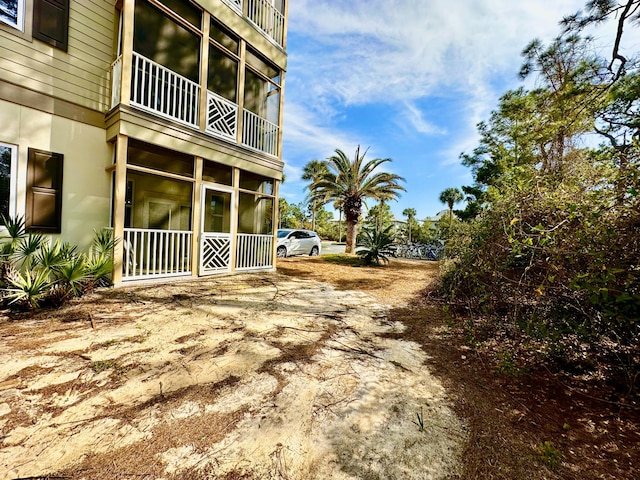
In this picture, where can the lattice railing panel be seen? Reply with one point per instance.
(222, 116)
(215, 252)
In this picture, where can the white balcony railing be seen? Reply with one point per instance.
(237, 4)
(267, 17)
(254, 251)
(116, 79)
(222, 116)
(156, 253)
(259, 134)
(157, 89)
(164, 92)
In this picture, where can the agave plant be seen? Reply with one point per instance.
(376, 245)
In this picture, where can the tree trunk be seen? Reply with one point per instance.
(352, 233)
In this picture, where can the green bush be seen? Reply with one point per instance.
(36, 271)
(558, 257)
(375, 246)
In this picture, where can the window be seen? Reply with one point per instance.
(262, 88)
(162, 39)
(217, 173)
(8, 162)
(158, 158)
(12, 13)
(255, 182)
(51, 22)
(44, 191)
(222, 36)
(223, 74)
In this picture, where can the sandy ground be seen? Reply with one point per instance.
(259, 376)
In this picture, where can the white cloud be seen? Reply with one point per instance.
(414, 117)
(381, 50)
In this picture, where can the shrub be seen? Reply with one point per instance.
(375, 246)
(35, 271)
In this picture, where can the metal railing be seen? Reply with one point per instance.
(259, 134)
(254, 251)
(164, 92)
(222, 116)
(267, 17)
(150, 253)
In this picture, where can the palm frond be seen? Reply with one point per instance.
(28, 289)
(73, 274)
(26, 249)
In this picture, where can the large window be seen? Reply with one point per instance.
(164, 40)
(255, 213)
(12, 13)
(8, 160)
(262, 88)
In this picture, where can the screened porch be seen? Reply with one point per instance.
(182, 222)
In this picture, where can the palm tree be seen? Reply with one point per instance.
(410, 213)
(451, 196)
(349, 183)
(313, 171)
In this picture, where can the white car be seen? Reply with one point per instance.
(297, 242)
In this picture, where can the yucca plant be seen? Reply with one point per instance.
(376, 245)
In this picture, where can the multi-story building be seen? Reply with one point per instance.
(161, 119)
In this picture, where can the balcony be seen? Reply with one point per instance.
(160, 91)
(264, 15)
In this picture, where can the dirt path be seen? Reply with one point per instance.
(254, 376)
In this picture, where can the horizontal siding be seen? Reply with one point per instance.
(81, 75)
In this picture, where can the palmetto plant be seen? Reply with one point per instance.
(36, 271)
(28, 289)
(376, 246)
(349, 183)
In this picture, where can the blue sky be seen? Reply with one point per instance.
(408, 79)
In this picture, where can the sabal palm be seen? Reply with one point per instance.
(410, 213)
(451, 196)
(348, 183)
(312, 172)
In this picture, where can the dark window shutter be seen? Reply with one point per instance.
(44, 191)
(51, 22)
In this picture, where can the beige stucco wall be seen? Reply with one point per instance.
(86, 185)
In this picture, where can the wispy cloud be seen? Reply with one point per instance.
(396, 50)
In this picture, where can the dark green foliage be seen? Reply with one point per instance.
(375, 246)
(554, 248)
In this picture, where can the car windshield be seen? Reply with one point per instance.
(283, 233)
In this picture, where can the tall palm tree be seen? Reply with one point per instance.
(450, 196)
(410, 213)
(349, 183)
(314, 171)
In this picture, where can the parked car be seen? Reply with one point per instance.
(297, 242)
